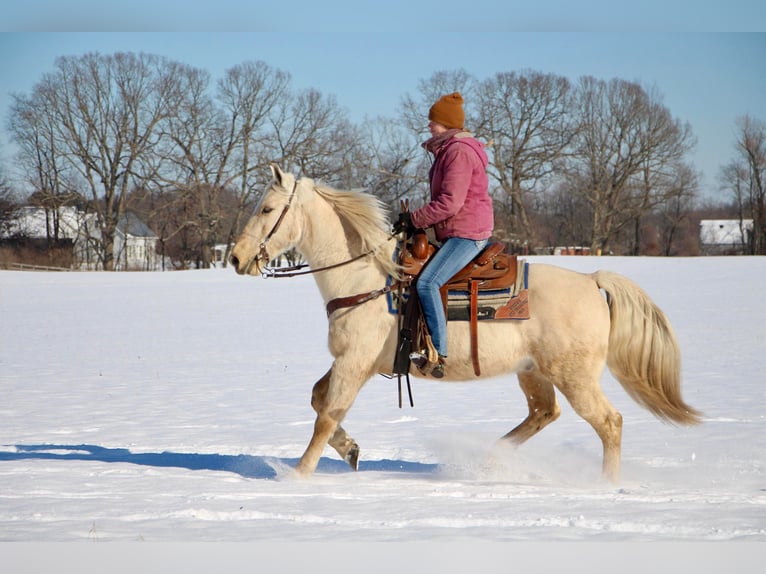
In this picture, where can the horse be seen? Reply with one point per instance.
(573, 331)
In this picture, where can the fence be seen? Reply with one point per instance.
(26, 267)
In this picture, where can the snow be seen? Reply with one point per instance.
(170, 407)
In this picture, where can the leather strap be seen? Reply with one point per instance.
(474, 290)
(354, 300)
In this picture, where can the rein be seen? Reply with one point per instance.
(339, 302)
(297, 270)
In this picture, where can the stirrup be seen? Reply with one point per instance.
(419, 360)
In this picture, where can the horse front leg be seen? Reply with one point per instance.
(345, 446)
(332, 397)
(324, 428)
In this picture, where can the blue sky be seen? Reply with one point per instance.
(369, 63)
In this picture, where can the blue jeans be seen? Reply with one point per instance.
(452, 256)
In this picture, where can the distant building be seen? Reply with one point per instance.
(134, 243)
(38, 223)
(725, 236)
(219, 253)
(571, 250)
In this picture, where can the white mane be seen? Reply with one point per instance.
(368, 218)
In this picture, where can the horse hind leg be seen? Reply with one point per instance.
(543, 408)
(589, 402)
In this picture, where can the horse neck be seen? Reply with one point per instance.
(325, 242)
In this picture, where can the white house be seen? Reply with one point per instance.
(725, 236)
(134, 243)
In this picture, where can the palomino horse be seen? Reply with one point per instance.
(573, 331)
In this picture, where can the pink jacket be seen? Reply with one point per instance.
(460, 204)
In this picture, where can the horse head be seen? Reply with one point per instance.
(273, 229)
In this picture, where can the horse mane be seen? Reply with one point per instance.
(368, 217)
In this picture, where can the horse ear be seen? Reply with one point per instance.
(282, 179)
(276, 173)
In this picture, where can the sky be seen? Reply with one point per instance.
(703, 61)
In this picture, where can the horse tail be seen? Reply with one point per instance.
(643, 351)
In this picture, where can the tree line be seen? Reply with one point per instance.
(596, 163)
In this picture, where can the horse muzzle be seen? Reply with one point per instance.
(250, 267)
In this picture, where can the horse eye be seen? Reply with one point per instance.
(266, 210)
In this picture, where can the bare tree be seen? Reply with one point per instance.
(45, 167)
(104, 113)
(386, 161)
(624, 141)
(662, 177)
(192, 163)
(312, 135)
(605, 152)
(679, 199)
(735, 177)
(526, 118)
(745, 178)
(210, 152)
(248, 94)
(8, 205)
(564, 215)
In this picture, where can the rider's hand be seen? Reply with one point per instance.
(404, 223)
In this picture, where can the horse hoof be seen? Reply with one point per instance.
(352, 457)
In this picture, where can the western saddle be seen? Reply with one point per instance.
(492, 270)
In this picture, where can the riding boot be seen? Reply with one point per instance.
(437, 371)
(426, 367)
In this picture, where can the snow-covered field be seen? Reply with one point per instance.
(169, 406)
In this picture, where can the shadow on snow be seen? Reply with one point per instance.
(248, 466)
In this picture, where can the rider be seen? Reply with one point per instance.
(460, 211)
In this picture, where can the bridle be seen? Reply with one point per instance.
(295, 270)
(263, 253)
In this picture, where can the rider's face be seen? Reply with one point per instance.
(436, 128)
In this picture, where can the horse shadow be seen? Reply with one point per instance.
(245, 465)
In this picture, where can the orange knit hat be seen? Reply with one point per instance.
(448, 111)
